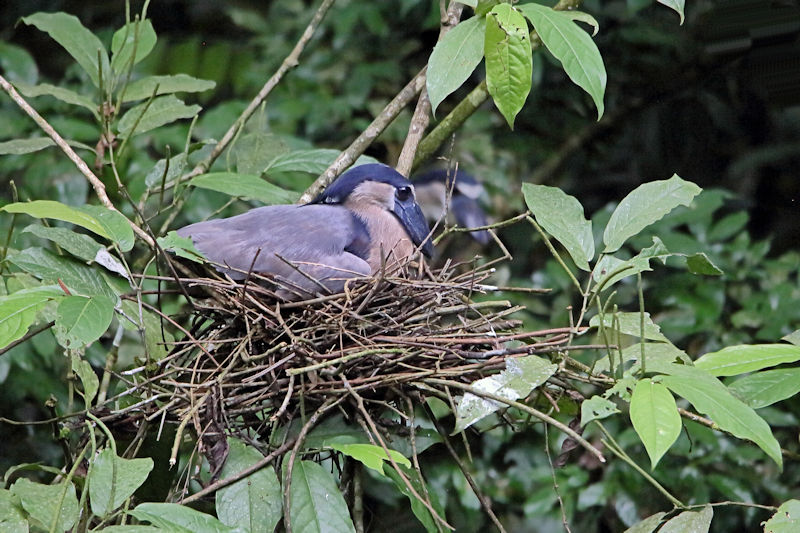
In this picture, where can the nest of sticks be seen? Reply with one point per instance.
(249, 360)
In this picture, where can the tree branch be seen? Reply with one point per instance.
(98, 186)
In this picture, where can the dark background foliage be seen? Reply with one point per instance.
(716, 101)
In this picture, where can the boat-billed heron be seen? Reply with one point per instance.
(434, 186)
(366, 220)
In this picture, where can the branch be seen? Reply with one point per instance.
(291, 61)
(357, 147)
(97, 185)
(449, 124)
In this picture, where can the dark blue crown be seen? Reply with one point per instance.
(338, 191)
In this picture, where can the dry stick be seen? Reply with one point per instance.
(422, 113)
(291, 61)
(522, 407)
(464, 109)
(222, 483)
(97, 185)
(357, 147)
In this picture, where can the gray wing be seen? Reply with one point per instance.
(322, 242)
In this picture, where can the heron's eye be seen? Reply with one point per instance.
(403, 193)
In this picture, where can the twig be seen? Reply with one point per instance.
(357, 147)
(291, 61)
(97, 185)
(31, 333)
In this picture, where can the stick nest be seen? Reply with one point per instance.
(250, 358)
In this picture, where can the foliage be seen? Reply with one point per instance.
(76, 283)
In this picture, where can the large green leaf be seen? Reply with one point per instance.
(104, 222)
(80, 279)
(150, 115)
(18, 310)
(81, 320)
(246, 186)
(60, 93)
(371, 456)
(80, 43)
(179, 519)
(630, 324)
(112, 480)
(690, 521)
(561, 215)
(709, 396)
(765, 388)
(25, 146)
(417, 507)
(316, 503)
(521, 376)
(745, 358)
(509, 61)
(313, 161)
(138, 35)
(17, 64)
(655, 418)
(573, 47)
(786, 519)
(253, 503)
(254, 152)
(41, 502)
(643, 206)
(454, 58)
(177, 83)
(648, 525)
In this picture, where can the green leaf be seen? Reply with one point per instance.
(316, 503)
(786, 519)
(629, 324)
(17, 64)
(132, 529)
(709, 396)
(80, 43)
(417, 506)
(25, 146)
(178, 83)
(88, 378)
(104, 222)
(246, 186)
(255, 151)
(586, 18)
(155, 337)
(163, 173)
(181, 246)
(656, 354)
(12, 516)
(18, 310)
(509, 61)
(42, 503)
(112, 480)
(156, 113)
(372, 456)
(643, 206)
(454, 58)
(597, 408)
(79, 278)
(81, 321)
(60, 93)
(312, 161)
(609, 269)
(521, 376)
(253, 503)
(179, 518)
(690, 522)
(675, 5)
(793, 337)
(561, 215)
(573, 47)
(648, 525)
(765, 388)
(699, 263)
(655, 418)
(735, 360)
(138, 34)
